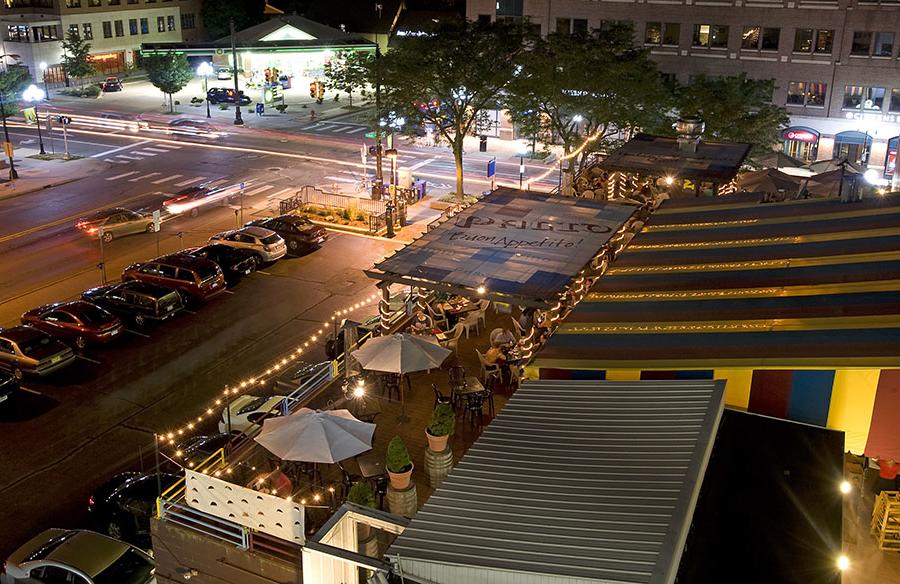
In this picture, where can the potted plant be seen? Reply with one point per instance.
(398, 464)
(440, 427)
(362, 494)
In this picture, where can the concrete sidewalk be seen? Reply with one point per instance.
(36, 174)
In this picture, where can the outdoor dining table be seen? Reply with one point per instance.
(371, 465)
(473, 386)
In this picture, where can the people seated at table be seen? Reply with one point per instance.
(422, 323)
(502, 338)
(495, 355)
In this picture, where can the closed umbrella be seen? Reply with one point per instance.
(316, 436)
(768, 181)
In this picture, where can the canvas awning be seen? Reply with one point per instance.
(522, 247)
(588, 482)
(660, 156)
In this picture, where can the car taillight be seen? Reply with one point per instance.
(92, 230)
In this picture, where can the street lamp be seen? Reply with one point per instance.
(43, 66)
(34, 94)
(523, 149)
(205, 70)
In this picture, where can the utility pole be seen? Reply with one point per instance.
(379, 178)
(238, 121)
(13, 175)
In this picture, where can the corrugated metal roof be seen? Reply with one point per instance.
(594, 480)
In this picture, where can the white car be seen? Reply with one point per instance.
(265, 243)
(249, 410)
(223, 73)
(77, 556)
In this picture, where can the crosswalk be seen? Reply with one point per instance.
(142, 152)
(344, 128)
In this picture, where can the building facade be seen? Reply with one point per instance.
(33, 30)
(834, 62)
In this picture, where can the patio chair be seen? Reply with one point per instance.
(452, 342)
(439, 317)
(390, 383)
(482, 311)
(471, 321)
(457, 381)
(488, 396)
(439, 397)
(489, 371)
(517, 328)
(474, 409)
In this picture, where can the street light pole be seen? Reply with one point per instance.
(205, 70)
(238, 121)
(43, 67)
(34, 94)
(521, 170)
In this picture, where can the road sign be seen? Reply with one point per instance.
(362, 153)
(156, 221)
(8, 148)
(371, 135)
(492, 168)
(242, 186)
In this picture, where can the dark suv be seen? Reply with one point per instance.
(136, 301)
(195, 279)
(235, 262)
(223, 95)
(299, 233)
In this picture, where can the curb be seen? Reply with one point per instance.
(38, 188)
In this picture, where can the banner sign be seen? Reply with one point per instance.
(30, 115)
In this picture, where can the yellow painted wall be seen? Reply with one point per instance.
(852, 401)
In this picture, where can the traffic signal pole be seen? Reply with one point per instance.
(238, 121)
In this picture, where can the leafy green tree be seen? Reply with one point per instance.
(217, 14)
(76, 61)
(735, 109)
(584, 91)
(12, 82)
(350, 71)
(449, 77)
(169, 73)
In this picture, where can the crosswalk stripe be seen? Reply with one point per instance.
(167, 146)
(125, 156)
(258, 190)
(123, 175)
(190, 181)
(157, 150)
(359, 129)
(281, 192)
(216, 183)
(143, 153)
(115, 161)
(167, 179)
(143, 176)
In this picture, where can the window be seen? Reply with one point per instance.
(187, 21)
(894, 106)
(662, 33)
(509, 8)
(759, 38)
(564, 25)
(88, 29)
(170, 23)
(132, 26)
(806, 93)
(114, 2)
(132, 1)
(160, 24)
(73, 30)
(803, 40)
(45, 33)
(94, 3)
(710, 36)
(17, 33)
(107, 29)
(824, 41)
(671, 33)
(808, 40)
(861, 43)
(863, 98)
(653, 33)
(73, 3)
(119, 29)
(580, 26)
(145, 27)
(884, 44)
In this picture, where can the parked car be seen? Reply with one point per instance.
(248, 411)
(115, 222)
(299, 233)
(81, 322)
(123, 505)
(75, 556)
(192, 128)
(138, 302)
(195, 279)
(196, 449)
(27, 350)
(266, 245)
(111, 84)
(235, 262)
(225, 95)
(9, 385)
(223, 73)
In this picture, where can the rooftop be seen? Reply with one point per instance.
(660, 155)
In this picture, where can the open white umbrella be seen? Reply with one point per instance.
(316, 436)
(401, 353)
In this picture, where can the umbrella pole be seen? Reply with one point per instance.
(403, 417)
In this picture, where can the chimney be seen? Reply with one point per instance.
(689, 129)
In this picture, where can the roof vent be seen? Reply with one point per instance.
(689, 129)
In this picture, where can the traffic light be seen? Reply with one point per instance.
(313, 89)
(320, 94)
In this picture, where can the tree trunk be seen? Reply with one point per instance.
(458, 158)
(171, 104)
(350, 97)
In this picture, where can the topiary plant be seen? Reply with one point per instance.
(362, 494)
(397, 459)
(443, 421)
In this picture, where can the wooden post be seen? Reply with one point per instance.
(384, 307)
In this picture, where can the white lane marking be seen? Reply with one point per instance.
(167, 179)
(123, 175)
(228, 292)
(144, 176)
(258, 190)
(185, 183)
(126, 157)
(421, 164)
(167, 146)
(94, 361)
(310, 127)
(189, 311)
(115, 161)
(157, 150)
(119, 149)
(355, 130)
(281, 192)
(342, 179)
(262, 272)
(216, 183)
(143, 153)
(140, 334)
(29, 390)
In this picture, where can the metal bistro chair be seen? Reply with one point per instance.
(439, 397)
(457, 382)
(475, 409)
(390, 383)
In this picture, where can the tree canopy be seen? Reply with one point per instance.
(76, 60)
(350, 71)
(446, 79)
(169, 73)
(12, 82)
(735, 109)
(586, 90)
(217, 14)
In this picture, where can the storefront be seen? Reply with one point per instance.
(890, 157)
(853, 146)
(801, 143)
(109, 63)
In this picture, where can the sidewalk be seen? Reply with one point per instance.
(36, 175)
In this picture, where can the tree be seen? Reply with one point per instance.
(349, 71)
(169, 73)
(585, 91)
(735, 109)
(12, 82)
(447, 78)
(76, 60)
(217, 15)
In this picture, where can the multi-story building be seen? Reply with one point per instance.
(834, 62)
(33, 30)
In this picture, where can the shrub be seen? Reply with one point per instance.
(346, 214)
(443, 421)
(360, 216)
(177, 102)
(86, 91)
(397, 459)
(223, 106)
(362, 494)
(281, 107)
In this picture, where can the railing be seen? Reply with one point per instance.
(378, 221)
(309, 195)
(205, 523)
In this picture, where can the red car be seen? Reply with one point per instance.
(81, 322)
(196, 279)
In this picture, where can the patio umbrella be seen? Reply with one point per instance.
(828, 184)
(316, 436)
(777, 160)
(823, 166)
(768, 181)
(401, 353)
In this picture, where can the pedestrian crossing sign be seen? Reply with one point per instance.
(30, 115)
(8, 148)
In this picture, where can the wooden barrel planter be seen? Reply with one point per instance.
(403, 502)
(438, 465)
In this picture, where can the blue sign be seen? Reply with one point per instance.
(492, 168)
